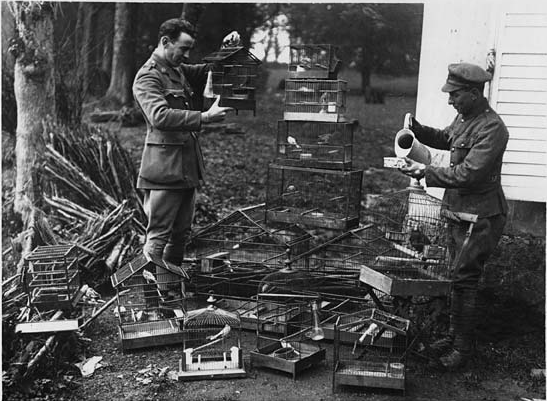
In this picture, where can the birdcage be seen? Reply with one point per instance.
(245, 236)
(239, 279)
(52, 279)
(417, 261)
(370, 350)
(313, 61)
(212, 345)
(287, 333)
(315, 144)
(314, 197)
(315, 100)
(151, 302)
(234, 73)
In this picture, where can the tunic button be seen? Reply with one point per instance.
(451, 164)
(453, 149)
(462, 145)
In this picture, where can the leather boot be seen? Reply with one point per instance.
(444, 344)
(464, 324)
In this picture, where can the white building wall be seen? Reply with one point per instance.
(465, 30)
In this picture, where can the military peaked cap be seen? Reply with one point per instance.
(464, 75)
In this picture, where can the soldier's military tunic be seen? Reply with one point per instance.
(472, 181)
(172, 164)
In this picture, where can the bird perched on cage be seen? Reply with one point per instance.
(221, 334)
(418, 239)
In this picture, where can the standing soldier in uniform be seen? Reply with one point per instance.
(172, 164)
(476, 140)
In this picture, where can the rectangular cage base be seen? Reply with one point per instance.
(404, 282)
(150, 334)
(375, 375)
(309, 356)
(238, 103)
(315, 219)
(313, 163)
(323, 117)
(213, 374)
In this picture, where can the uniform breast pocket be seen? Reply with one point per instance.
(459, 153)
(176, 98)
(162, 164)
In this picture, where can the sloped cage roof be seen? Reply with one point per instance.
(210, 316)
(237, 53)
(53, 252)
(141, 262)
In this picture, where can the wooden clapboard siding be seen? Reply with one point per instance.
(519, 95)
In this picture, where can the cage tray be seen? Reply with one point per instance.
(325, 117)
(212, 370)
(308, 357)
(369, 375)
(314, 219)
(150, 334)
(404, 282)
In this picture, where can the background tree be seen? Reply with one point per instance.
(34, 87)
(123, 66)
(372, 37)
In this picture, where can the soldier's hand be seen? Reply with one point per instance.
(415, 126)
(413, 169)
(215, 113)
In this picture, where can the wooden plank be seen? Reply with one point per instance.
(517, 39)
(523, 84)
(534, 134)
(523, 59)
(526, 20)
(539, 183)
(524, 157)
(525, 194)
(524, 169)
(325, 117)
(523, 145)
(510, 71)
(521, 109)
(522, 96)
(375, 279)
(48, 326)
(525, 121)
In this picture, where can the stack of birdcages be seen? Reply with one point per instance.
(312, 181)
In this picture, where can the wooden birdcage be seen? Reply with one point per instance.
(370, 350)
(313, 61)
(314, 197)
(151, 302)
(315, 100)
(315, 144)
(287, 332)
(245, 236)
(235, 72)
(212, 345)
(52, 279)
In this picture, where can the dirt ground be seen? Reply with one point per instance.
(511, 334)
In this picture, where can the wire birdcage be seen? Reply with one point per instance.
(212, 345)
(234, 74)
(52, 278)
(313, 61)
(315, 100)
(315, 144)
(287, 333)
(370, 350)
(314, 197)
(417, 233)
(245, 236)
(151, 302)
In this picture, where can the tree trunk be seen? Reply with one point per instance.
(84, 27)
(121, 77)
(191, 12)
(34, 87)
